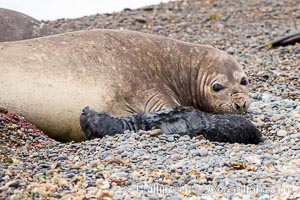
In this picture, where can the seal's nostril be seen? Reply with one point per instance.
(85, 110)
(237, 106)
(244, 106)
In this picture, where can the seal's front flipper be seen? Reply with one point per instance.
(160, 99)
(98, 124)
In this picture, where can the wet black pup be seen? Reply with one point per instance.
(179, 120)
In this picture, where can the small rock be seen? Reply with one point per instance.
(295, 114)
(170, 139)
(184, 138)
(77, 165)
(276, 118)
(289, 105)
(3, 188)
(179, 164)
(148, 8)
(141, 20)
(13, 184)
(157, 28)
(195, 152)
(175, 197)
(120, 175)
(35, 154)
(259, 123)
(295, 135)
(155, 132)
(296, 147)
(282, 133)
(203, 152)
(45, 165)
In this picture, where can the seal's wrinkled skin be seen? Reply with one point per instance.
(179, 120)
(18, 26)
(49, 80)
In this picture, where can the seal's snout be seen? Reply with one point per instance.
(240, 103)
(98, 124)
(86, 120)
(85, 110)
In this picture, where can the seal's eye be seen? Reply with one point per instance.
(217, 87)
(244, 81)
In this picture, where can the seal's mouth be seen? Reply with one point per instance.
(237, 106)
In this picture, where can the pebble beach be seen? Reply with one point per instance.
(151, 165)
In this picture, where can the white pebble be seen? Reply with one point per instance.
(282, 133)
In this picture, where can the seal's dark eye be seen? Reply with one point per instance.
(244, 81)
(217, 87)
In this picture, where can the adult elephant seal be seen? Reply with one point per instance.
(49, 80)
(18, 26)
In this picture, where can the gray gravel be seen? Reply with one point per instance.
(153, 165)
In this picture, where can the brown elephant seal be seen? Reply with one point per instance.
(49, 80)
(18, 26)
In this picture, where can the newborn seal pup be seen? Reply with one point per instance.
(49, 80)
(18, 26)
(179, 120)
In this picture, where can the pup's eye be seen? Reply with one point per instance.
(217, 87)
(244, 81)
